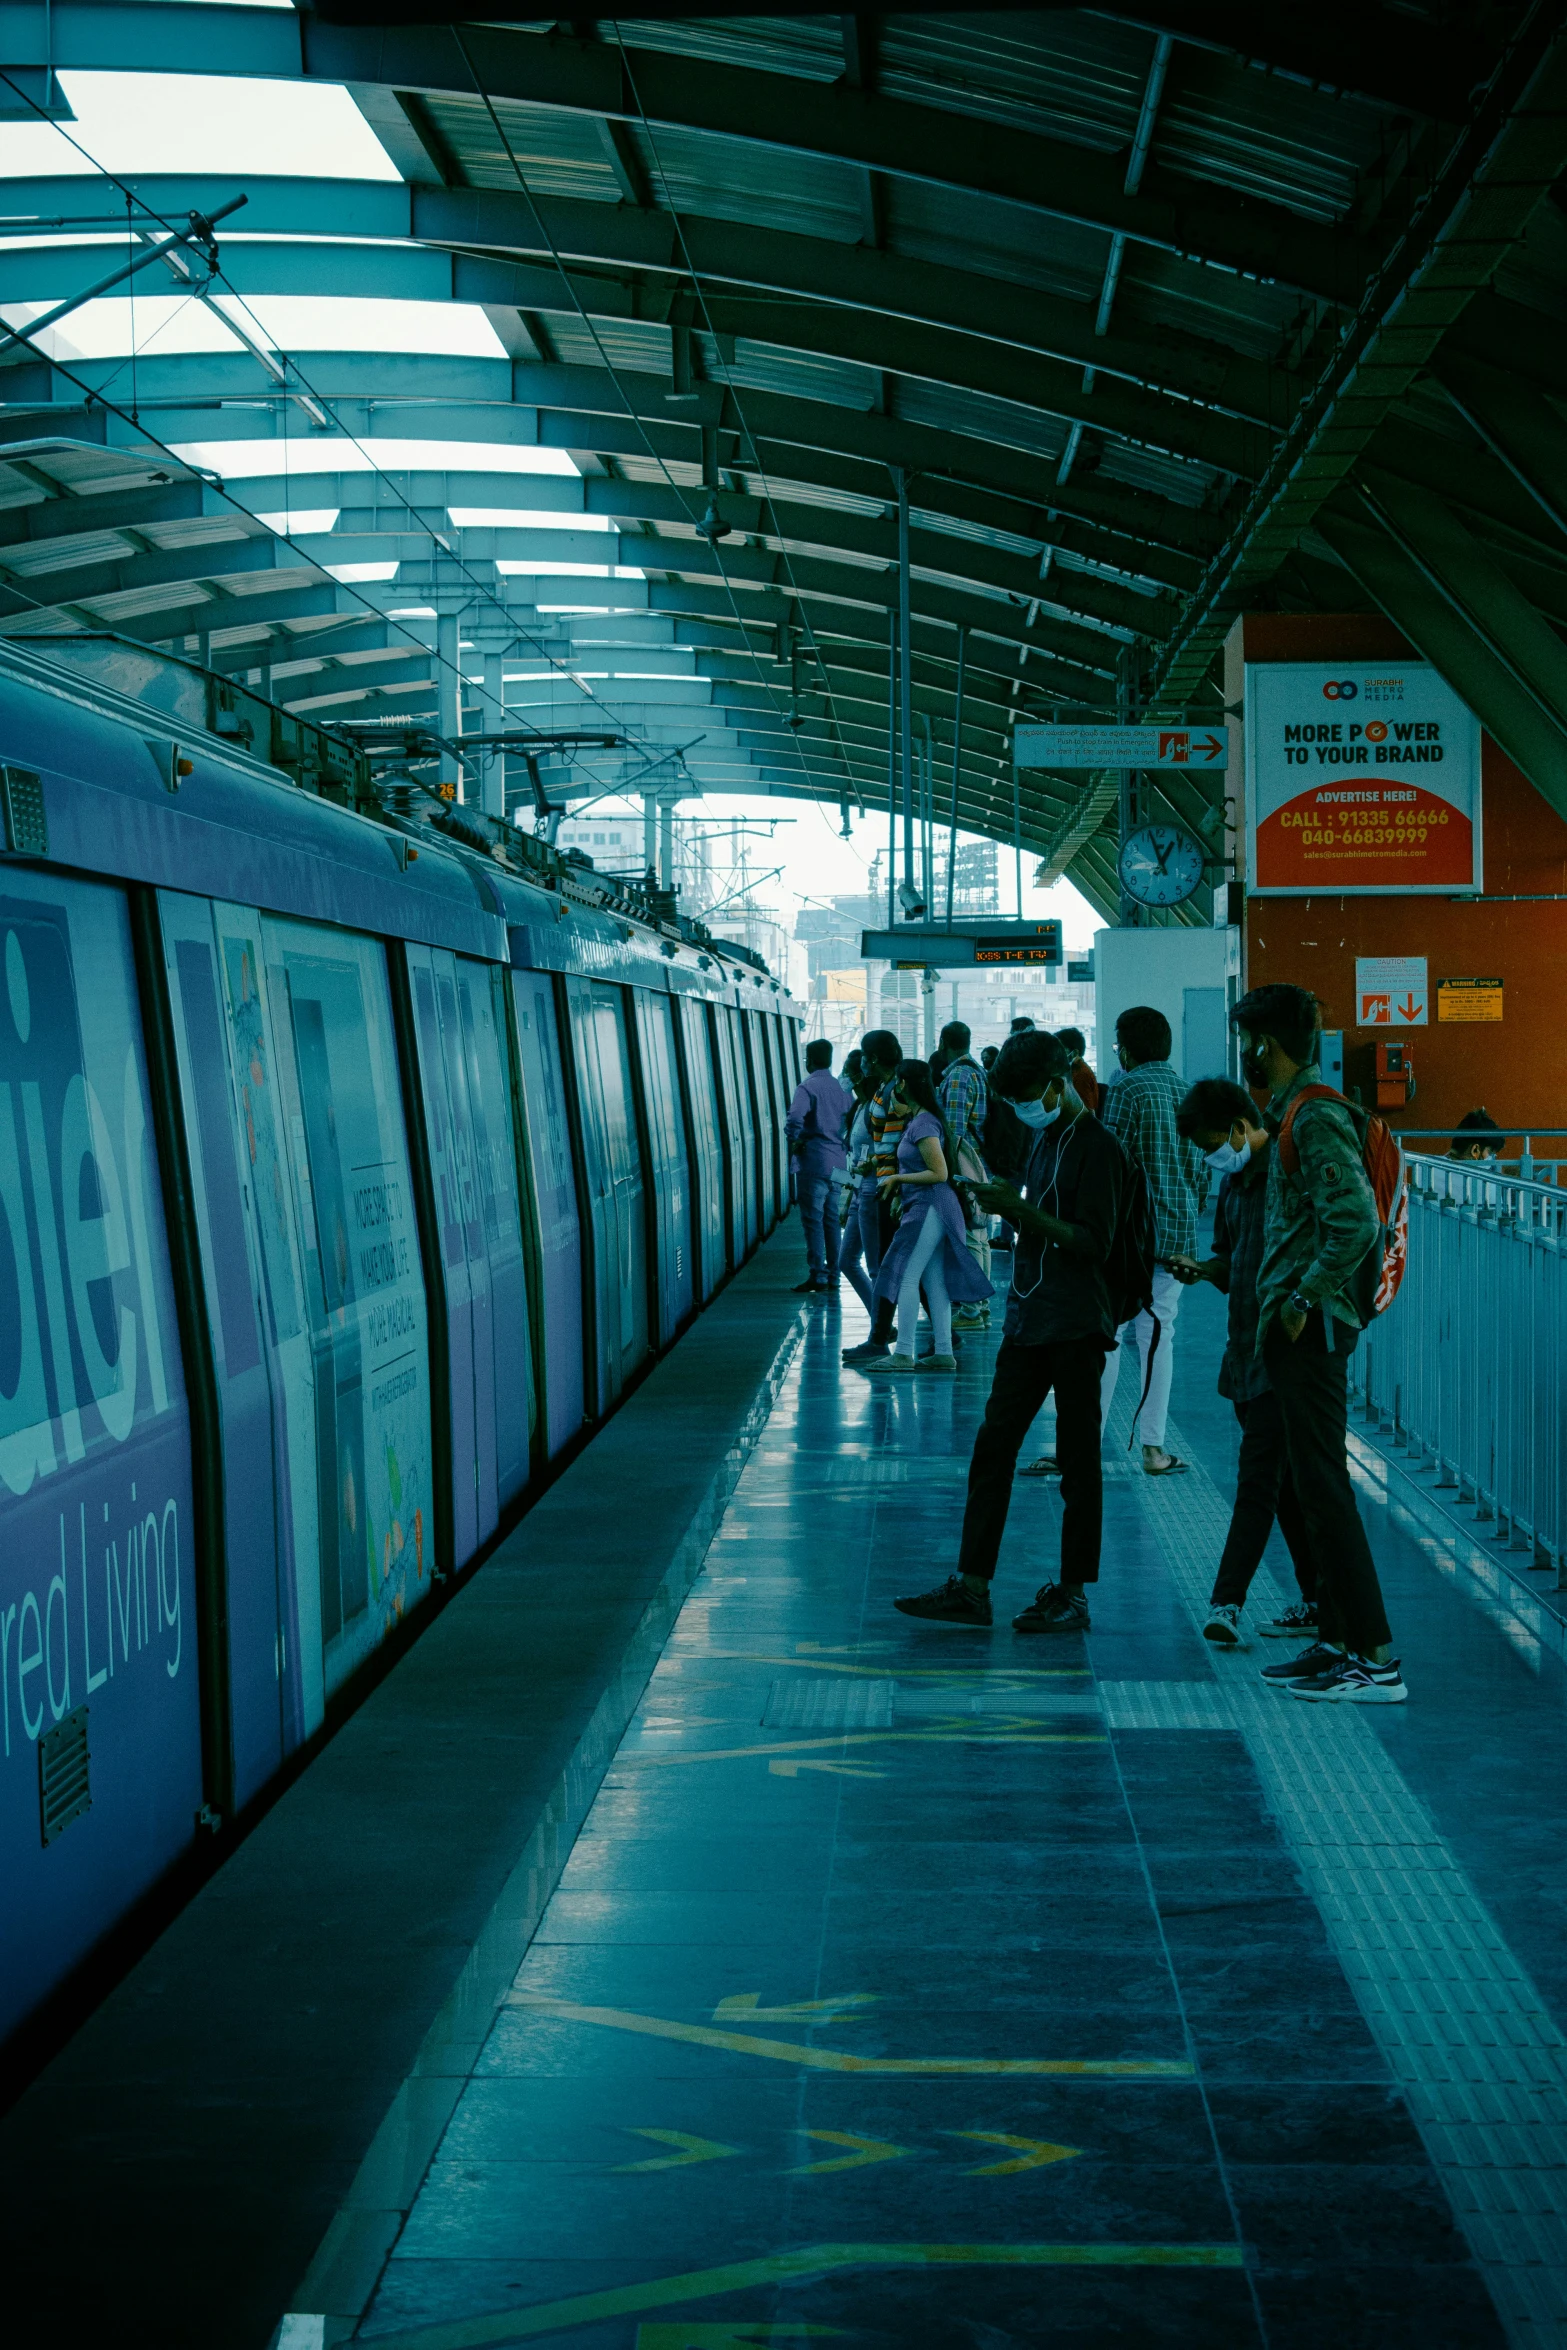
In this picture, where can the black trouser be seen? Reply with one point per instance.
(1024, 1377)
(1264, 1490)
(1312, 1387)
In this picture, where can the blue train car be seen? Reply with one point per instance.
(349, 1174)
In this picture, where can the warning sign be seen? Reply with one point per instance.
(1390, 991)
(1361, 779)
(1468, 999)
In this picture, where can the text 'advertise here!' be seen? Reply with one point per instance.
(1361, 778)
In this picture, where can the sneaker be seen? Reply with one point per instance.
(889, 1365)
(1223, 1627)
(951, 1602)
(970, 1318)
(1317, 1659)
(1055, 1609)
(938, 1362)
(803, 1288)
(1356, 1682)
(1296, 1623)
(869, 1350)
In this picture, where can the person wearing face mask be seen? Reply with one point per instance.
(928, 1250)
(1321, 1229)
(1223, 1122)
(1059, 1323)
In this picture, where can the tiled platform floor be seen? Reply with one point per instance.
(915, 1987)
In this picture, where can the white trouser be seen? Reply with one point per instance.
(1166, 1304)
(925, 1264)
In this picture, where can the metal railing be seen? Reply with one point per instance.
(1468, 1368)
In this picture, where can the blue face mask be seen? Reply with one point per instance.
(1229, 1158)
(1035, 1115)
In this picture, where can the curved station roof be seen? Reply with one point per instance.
(585, 360)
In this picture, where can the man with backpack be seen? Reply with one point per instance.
(1061, 1316)
(1322, 1276)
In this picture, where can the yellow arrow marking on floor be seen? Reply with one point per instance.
(728, 2337)
(747, 2006)
(997, 1677)
(1031, 2153)
(840, 1770)
(865, 2151)
(831, 2060)
(966, 1730)
(804, 2266)
(690, 2150)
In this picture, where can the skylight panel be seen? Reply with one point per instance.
(302, 521)
(240, 460)
(189, 122)
(524, 518)
(525, 570)
(331, 322)
(357, 574)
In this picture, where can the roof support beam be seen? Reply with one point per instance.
(829, 120)
(1435, 582)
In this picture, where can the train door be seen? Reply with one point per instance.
(266, 1640)
(481, 1010)
(363, 1281)
(777, 1102)
(740, 1130)
(100, 1708)
(668, 1174)
(555, 1195)
(474, 1179)
(710, 1180)
(754, 1072)
(615, 1183)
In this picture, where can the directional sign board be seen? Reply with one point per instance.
(1390, 991)
(1121, 746)
(924, 946)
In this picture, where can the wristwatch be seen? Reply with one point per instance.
(1299, 1304)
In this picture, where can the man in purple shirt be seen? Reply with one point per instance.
(817, 1122)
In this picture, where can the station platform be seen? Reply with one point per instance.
(913, 1986)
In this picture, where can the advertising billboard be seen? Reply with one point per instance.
(1363, 779)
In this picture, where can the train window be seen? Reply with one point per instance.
(555, 1196)
(97, 1571)
(364, 1284)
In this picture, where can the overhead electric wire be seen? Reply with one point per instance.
(598, 343)
(748, 435)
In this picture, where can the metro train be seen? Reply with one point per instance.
(353, 1161)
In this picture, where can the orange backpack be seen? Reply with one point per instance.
(1382, 1156)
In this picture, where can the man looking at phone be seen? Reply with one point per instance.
(1223, 1121)
(1059, 1322)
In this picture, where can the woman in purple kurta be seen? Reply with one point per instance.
(928, 1248)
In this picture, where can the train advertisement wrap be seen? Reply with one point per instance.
(99, 1697)
(1361, 779)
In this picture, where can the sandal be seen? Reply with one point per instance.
(1046, 1466)
(1172, 1468)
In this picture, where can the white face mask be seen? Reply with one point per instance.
(1229, 1158)
(1035, 1115)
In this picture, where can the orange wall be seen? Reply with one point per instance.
(1518, 1069)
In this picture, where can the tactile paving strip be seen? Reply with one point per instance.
(1467, 2036)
